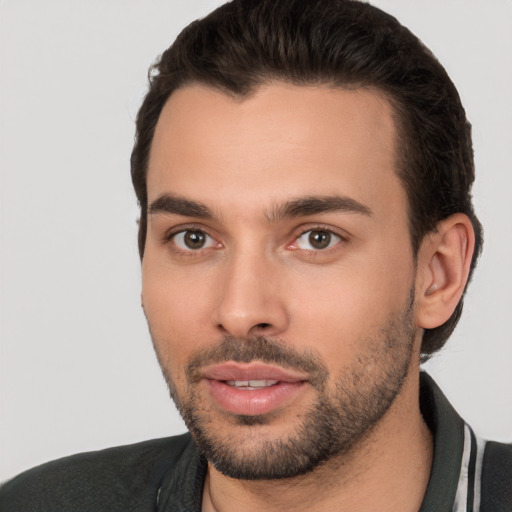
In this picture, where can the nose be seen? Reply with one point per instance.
(251, 299)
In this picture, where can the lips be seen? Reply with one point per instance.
(252, 388)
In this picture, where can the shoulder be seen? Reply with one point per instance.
(122, 478)
(496, 480)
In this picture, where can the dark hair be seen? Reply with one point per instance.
(345, 43)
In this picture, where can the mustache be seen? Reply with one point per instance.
(260, 348)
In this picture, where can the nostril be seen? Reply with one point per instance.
(262, 326)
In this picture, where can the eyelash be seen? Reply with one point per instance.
(318, 228)
(172, 234)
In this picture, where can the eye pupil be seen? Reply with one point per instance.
(194, 239)
(320, 239)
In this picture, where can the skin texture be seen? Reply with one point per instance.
(229, 262)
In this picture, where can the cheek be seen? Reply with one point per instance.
(176, 310)
(341, 310)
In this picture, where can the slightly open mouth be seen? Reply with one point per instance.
(251, 384)
(253, 396)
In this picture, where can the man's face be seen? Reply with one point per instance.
(278, 275)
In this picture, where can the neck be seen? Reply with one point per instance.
(387, 471)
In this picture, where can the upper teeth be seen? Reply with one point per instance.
(251, 384)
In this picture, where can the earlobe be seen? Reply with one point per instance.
(444, 261)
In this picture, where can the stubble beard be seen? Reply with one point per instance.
(332, 426)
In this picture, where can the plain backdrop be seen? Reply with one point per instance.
(77, 371)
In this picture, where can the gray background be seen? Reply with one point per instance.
(77, 371)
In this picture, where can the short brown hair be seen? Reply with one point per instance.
(346, 43)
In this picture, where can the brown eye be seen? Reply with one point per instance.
(317, 239)
(320, 239)
(193, 240)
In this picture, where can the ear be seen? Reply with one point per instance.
(444, 260)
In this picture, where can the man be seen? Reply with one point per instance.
(304, 171)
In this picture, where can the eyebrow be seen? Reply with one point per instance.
(314, 205)
(179, 206)
(300, 207)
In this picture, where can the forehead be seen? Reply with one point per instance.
(282, 139)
